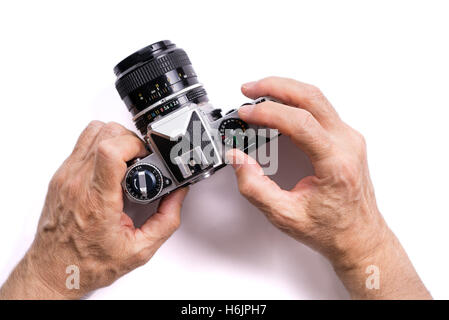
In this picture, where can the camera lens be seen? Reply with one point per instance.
(157, 80)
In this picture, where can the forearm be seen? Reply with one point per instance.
(25, 284)
(385, 274)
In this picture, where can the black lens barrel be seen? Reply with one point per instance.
(142, 56)
(151, 70)
(152, 74)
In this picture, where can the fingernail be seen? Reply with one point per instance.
(245, 111)
(237, 158)
(232, 157)
(248, 85)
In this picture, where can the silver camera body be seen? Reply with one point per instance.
(189, 145)
(186, 136)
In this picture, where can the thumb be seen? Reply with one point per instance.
(260, 190)
(167, 219)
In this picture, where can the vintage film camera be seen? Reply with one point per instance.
(187, 137)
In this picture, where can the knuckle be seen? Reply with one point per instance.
(72, 186)
(305, 118)
(361, 140)
(95, 124)
(57, 182)
(106, 149)
(113, 129)
(266, 84)
(262, 114)
(114, 125)
(300, 123)
(268, 80)
(349, 174)
(313, 93)
(362, 146)
(313, 90)
(359, 144)
(175, 223)
(136, 141)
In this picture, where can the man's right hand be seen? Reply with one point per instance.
(334, 211)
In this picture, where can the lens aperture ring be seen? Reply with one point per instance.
(150, 71)
(194, 95)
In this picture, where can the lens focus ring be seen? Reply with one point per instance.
(156, 80)
(150, 71)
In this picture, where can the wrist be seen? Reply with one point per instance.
(49, 273)
(25, 283)
(361, 273)
(377, 267)
(360, 244)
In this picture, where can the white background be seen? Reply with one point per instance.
(383, 64)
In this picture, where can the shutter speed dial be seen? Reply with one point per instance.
(232, 132)
(143, 182)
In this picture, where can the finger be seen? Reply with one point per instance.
(108, 131)
(111, 157)
(111, 130)
(167, 219)
(86, 139)
(260, 190)
(296, 94)
(298, 124)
